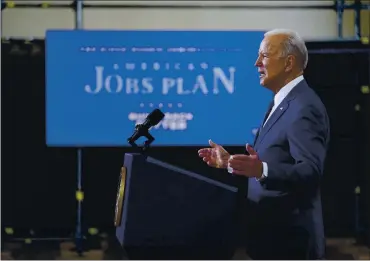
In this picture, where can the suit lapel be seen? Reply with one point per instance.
(278, 112)
(256, 137)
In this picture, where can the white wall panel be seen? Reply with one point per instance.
(215, 19)
(311, 24)
(33, 22)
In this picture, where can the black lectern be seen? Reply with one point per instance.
(165, 212)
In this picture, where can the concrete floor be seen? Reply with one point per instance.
(103, 248)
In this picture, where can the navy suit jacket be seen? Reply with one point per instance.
(285, 207)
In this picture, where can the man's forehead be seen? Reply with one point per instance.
(269, 44)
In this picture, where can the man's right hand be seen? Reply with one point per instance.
(216, 156)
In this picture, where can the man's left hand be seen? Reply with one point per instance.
(247, 165)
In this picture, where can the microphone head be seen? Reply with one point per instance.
(154, 117)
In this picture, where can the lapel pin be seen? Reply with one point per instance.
(281, 108)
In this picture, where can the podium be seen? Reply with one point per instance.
(165, 212)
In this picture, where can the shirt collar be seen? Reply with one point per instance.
(283, 92)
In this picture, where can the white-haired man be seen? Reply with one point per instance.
(285, 165)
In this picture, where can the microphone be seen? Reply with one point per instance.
(143, 129)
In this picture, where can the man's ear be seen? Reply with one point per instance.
(289, 63)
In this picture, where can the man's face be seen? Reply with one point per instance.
(271, 66)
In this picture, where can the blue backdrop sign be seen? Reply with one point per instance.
(101, 83)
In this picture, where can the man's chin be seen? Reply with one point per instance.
(263, 82)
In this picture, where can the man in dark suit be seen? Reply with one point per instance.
(285, 165)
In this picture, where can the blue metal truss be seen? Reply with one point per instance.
(357, 6)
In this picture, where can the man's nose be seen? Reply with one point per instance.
(258, 63)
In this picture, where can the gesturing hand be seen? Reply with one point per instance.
(247, 165)
(216, 156)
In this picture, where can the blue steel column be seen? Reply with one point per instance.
(79, 14)
(357, 8)
(340, 10)
(79, 194)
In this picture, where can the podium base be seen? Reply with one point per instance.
(164, 212)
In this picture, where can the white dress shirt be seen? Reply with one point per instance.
(279, 97)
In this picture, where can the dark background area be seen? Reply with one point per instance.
(39, 183)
